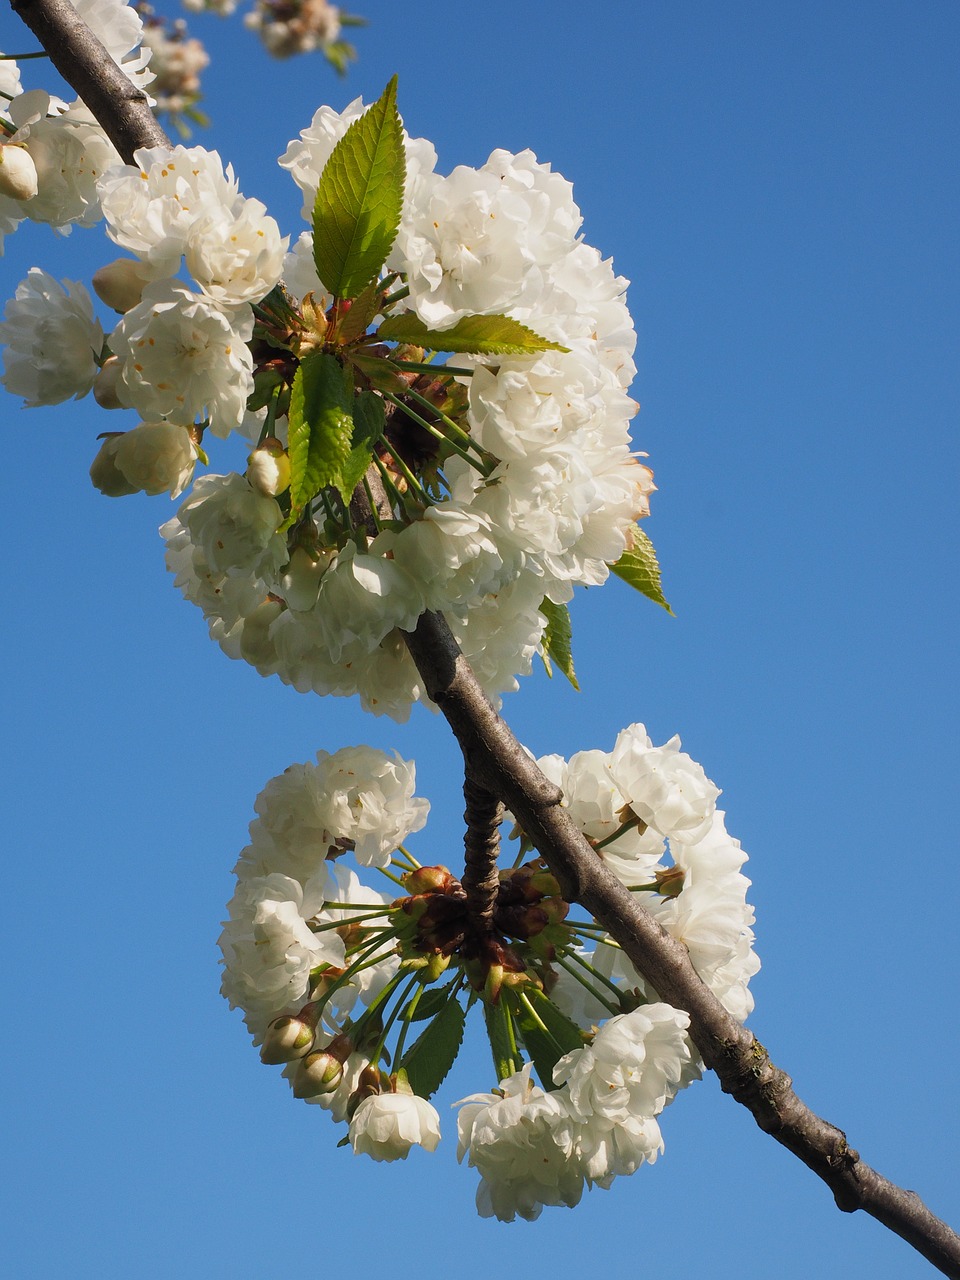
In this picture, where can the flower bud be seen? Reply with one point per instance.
(105, 384)
(18, 173)
(287, 1037)
(427, 880)
(268, 468)
(256, 646)
(300, 582)
(120, 283)
(104, 472)
(318, 1073)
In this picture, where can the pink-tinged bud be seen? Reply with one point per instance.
(318, 1073)
(287, 1038)
(104, 472)
(268, 468)
(120, 284)
(105, 384)
(18, 173)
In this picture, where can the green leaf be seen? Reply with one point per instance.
(556, 642)
(368, 420)
(474, 335)
(430, 1003)
(320, 428)
(546, 1043)
(428, 1060)
(638, 566)
(357, 210)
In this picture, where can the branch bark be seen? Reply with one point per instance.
(496, 763)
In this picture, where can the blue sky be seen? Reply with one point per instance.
(780, 184)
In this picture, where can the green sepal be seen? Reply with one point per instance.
(638, 566)
(380, 373)
(546, 1046)
(368, 422)
(431, 1056)
(473, 335)
(355, 322)
(556, 642)
(359, 199)
(265, 383)
(320, 428)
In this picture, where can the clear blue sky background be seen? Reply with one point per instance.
(780, 184)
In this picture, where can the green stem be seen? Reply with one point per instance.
(448, 422)
(621, 830)
(396, 297)
(585, 964)
(412, 366)
(433, 431)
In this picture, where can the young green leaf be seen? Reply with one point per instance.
(430, 1003)
(368, 420)
(547, 1034)
(473, 335)
(556, 642)
(320, 428)
(359, 199)
(638, 566)
(428, 1060)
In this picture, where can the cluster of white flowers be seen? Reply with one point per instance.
(533, 1148)
(53, 152)
(557, 504)
(288, 27)
(547, 499)
(652, 812)
(595, 1119)
(357, 800)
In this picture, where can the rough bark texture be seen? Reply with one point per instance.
(83, 62)
(481, 844)
(497, 765)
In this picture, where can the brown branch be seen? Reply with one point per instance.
(86, 66)
(496, 762)
(481, 844)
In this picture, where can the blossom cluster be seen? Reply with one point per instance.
(316, 959)
(509, 478)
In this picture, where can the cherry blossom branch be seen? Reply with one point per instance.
(496, 763)
(496, 759)
(121, 108)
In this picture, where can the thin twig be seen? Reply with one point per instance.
(481, 845)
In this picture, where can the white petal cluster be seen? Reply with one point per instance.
(297, 26)
(681, 840)
(387, 1125)
(184, 357)
(53, 340)
(534, 1148)
(354, 800)
(564, 489)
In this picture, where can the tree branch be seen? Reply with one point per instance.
(495, 759)
(84, 63)
(481, 844)
(496, 762)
